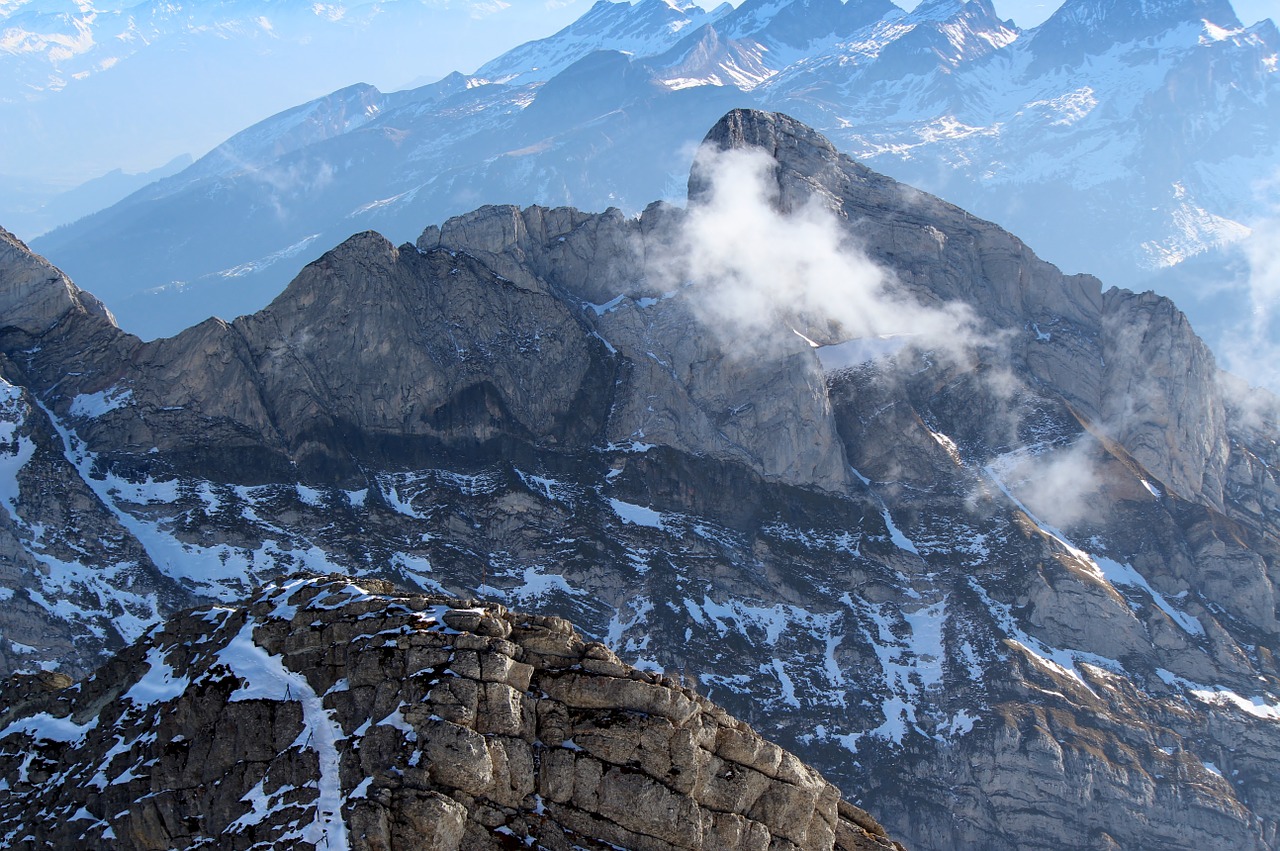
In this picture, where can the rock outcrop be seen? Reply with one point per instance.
(335, 713)
(37, 296)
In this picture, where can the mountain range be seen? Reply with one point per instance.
(1132, 141)
(992, 547)
(94, 87)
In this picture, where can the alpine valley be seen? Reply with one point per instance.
(992, 548)
(1137, 141)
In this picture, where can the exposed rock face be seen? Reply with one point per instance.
(978, 577)
(1156, 363)
(36, 295)
(679, 389)
(328, 714)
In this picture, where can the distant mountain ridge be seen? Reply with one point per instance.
(149, 80)
(646, 28)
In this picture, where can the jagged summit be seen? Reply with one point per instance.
(35, 296)
(799, 23)
(945, 10)
(1089, 27)
(790, 143)
(330, 712)
(645, 27)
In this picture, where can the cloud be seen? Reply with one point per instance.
(1060, 487)
(1251, 349)
(759, 273)
(290, 183)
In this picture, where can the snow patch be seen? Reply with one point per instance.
(310, 496)
(265, 677)
(159, 684)
(853, 353)
(94, 405)
(269, 260)
(535, 585)
(1263, 708)
(553, 490)
(637, 515)
(45, 727)
(900, 540)
(1123, 574)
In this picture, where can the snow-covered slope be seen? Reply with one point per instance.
(643, 29)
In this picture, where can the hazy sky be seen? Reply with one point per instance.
(1029, 13)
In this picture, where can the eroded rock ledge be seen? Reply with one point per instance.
(330, 714)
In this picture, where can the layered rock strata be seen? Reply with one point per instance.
(326, 713)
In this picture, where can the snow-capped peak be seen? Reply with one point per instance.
(643, 29)
(1091, 27)
(945, 10)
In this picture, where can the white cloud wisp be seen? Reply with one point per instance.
(760, 273)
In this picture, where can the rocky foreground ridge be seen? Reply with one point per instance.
(994, 549)
(326, 713)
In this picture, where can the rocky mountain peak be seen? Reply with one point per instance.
(310, 123)
(795, 148)
(335, 712)
(1088, 27)
(944, 35)
(945, 10)
(798, 23)
(643, 28)
(35, 296)
(806, 168)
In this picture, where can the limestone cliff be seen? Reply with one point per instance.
(334, 713)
